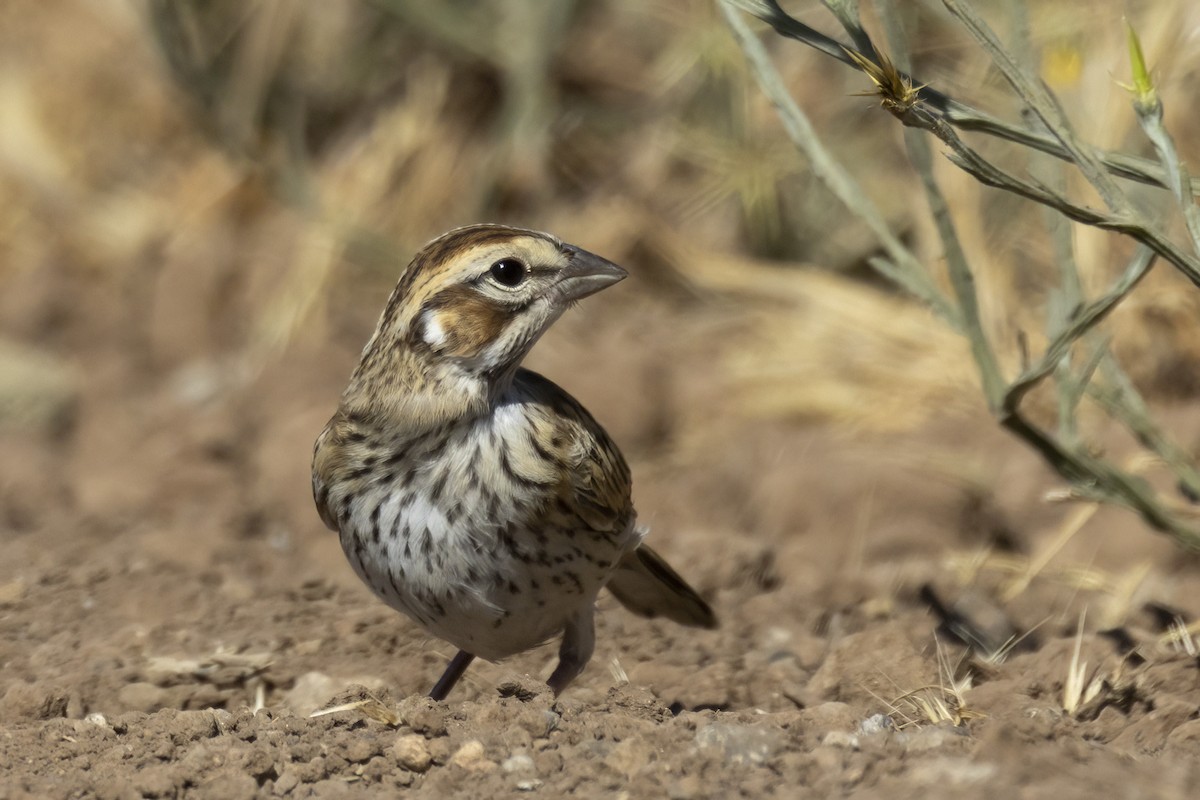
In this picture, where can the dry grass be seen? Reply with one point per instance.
(1116, 592)
(814, 348)
(936, 704)
(111, 168)
(1180, 638)
(367, 706)
(1080, 686)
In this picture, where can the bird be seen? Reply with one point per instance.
(472, 494)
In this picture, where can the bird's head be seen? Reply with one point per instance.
(472, 303)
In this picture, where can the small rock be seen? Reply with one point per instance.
(331, 789)
(850, 678)
(876, 723)
(530, 785)
(517, 762)
(741, 744)
(548, 762)
(85, 727)
(470, 756)
(411, 752)
(259, 763)
(840, 739)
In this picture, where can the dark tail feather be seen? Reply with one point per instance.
(647, 586)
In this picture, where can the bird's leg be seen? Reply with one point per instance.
(578, 642)
(454, 670)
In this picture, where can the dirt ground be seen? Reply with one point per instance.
(903, 614)
(172, 611)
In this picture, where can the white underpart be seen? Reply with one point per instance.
(462, 566)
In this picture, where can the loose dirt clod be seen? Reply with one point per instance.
(411, 752)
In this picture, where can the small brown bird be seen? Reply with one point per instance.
(477, 497)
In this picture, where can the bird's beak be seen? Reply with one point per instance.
(587, 273)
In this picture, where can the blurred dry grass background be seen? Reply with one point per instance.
(228, 180)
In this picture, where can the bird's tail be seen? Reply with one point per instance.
(647, 586)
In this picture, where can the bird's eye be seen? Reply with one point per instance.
(508, 272)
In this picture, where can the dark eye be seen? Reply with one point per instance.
(508, 272)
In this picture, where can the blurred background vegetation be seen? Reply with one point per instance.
(224, 182)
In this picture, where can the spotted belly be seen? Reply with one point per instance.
(491, 588)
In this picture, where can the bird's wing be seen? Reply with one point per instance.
(598, 489)
(594, 481)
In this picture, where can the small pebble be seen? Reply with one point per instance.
(411, 752)
(740, 744)
(876, 723)
(840, 739)
(471, 757)
(518, 762)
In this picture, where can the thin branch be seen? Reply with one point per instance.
(1087, 318)
(1073, 390)
(1134, 226)
(1045, 105)
(1122, 400)
(956, 113)
(1102, 481)
(1062, 302)
(961, 278)
(1149, 110)
(846, 13)
(904, 269)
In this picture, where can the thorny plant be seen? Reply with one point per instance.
(1073, 318)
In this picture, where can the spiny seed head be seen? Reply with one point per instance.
(895, 90)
